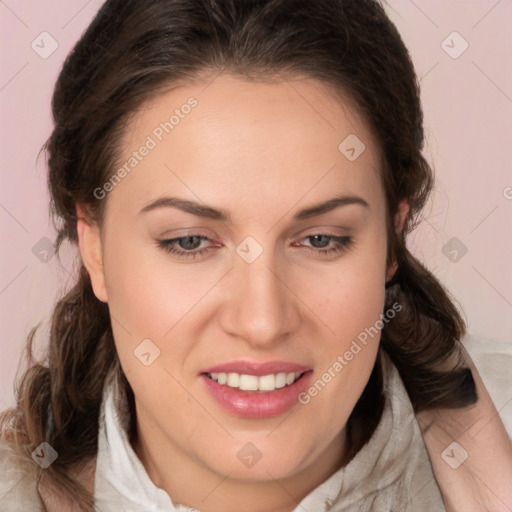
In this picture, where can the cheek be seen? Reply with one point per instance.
(149, 291)
(152, 298)
(348, 299)
(348, 295)
(149, 300)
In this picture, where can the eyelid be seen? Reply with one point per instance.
(325, 229)
(184, 232)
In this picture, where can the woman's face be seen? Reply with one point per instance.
(247, 241)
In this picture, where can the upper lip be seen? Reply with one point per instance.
(257, 369)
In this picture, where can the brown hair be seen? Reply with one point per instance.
(134, 48)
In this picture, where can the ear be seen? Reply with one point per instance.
(399, 222)
(401, 215)
(90, 245)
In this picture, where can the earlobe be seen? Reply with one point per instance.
(90, 245)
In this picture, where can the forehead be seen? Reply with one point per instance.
(234, 138)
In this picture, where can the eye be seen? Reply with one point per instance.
(186, 246)
(319, 241)
(322, 243)
(192, 246)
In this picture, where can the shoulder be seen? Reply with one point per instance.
(473, 440)
(493, 360)
(18, 482)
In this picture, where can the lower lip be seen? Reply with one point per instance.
(257, 404)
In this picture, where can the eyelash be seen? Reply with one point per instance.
(342, 243)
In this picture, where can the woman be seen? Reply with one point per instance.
(248, 330)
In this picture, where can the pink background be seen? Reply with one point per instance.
(467, 102)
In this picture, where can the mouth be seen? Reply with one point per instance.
(252, 390)
(262, 384)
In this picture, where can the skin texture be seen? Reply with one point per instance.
(261, 152)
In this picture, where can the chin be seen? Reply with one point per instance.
(258, 461)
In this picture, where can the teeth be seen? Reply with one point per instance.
(248, 383)
(253, 383)
(280, 380)
(233, 380)
(267, 383)
(290, 378)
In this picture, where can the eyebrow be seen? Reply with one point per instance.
(201, 210)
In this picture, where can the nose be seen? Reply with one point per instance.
(259, 308)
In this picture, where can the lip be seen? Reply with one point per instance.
(257, 369)
(257, 404)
